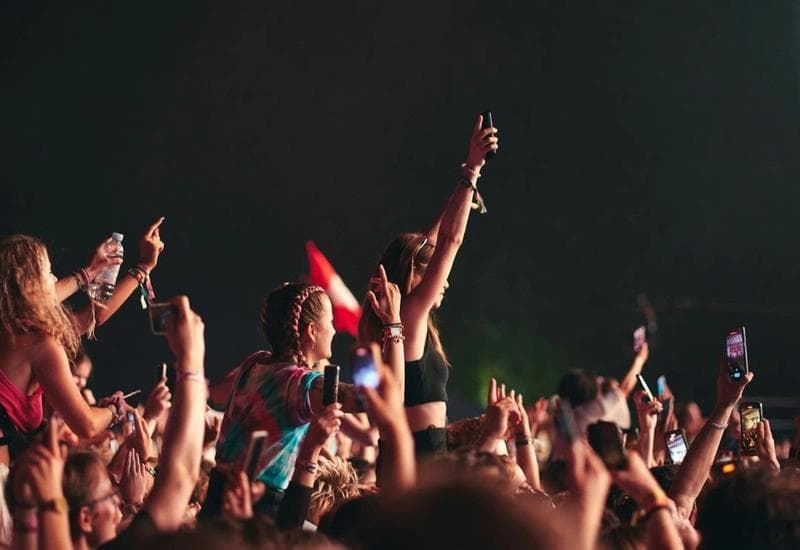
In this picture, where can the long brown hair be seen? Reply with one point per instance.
(406, 255)
(286, 313)
(26, 306)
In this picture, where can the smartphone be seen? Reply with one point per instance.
(488, 122)
(639, 338)
(642, 384)
(750, 414)
(677, 445)
(159, 313)
(565, 421)
(255, 448)
(365, 373)
(132, 422)
(330, 388)
(736, 353)
(161, 372)
(606, 440)
(661, 386)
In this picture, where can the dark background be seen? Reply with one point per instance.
(645, 149)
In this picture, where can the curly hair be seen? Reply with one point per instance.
(407, 255)
(287, 311)
(337, 481)
(26, 306)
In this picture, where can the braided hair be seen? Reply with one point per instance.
(287, 311)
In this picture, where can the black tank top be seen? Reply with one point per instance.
(426, 378)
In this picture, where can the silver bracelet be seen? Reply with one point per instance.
(717, 426)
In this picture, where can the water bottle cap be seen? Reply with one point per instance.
(117, 237)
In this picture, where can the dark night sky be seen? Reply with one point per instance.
(646, 148)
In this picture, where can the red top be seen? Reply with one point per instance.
(24, 411)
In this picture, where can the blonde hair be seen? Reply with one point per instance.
(337, 481)
(26, 306)
(407, 255)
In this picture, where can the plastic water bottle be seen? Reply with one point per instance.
(103, 286)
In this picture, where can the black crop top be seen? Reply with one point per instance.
(426, 378)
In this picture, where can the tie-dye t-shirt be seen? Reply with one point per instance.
(272, 397)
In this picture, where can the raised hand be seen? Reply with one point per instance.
(647, 411)
(151, 246)
(42, 468)
(100, 260)
(238, 500)
(480, 142)
(384, 297)
(159, 400)
(729, 392)
(133, 484)
(185, 333)
(324, 425)
(765, 445)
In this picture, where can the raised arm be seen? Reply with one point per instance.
(449, 236)
(179, 466)
(150, 247)
(629, 381)
(384, 298)
(526, 454)
(51, 369)
(693, 473)
(647, 412)
(69, 285)
(294, 507)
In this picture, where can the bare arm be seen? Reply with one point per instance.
(629, 381)
(648, 419)
(384, 298)
(51, 370)
(179, 467)
(150, 247)
(449, 236)
(526, 454)
(359, 431)
(694, 471)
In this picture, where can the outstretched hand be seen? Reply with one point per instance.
(151, 246)
(481, 142)
(729, 392)
(384, 297)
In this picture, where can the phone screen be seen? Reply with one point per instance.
(661, 385)
(132, 421)
(365, 373)
(606, 440)
(736, 353)
(750, 417)
(159, 313)
(638, 339)
(676, 446)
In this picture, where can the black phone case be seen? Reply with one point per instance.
(330, 388)
(488, 122)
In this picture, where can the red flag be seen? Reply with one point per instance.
(346, 309)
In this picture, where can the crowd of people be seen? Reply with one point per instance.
(379, 466)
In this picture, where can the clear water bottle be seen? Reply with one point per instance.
(103, 285)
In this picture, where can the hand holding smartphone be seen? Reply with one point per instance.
(736, 353)
(255, 448)
(750, 414)
(645, 388)
(159, 313)
(488, 122)
(606, 440)
(677, 446)
(330, 388)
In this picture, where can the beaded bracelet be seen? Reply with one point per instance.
(393, 332)
(138, 273)
(114, 404)
(717, 426)
(522, 441)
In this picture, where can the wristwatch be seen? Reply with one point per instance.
(58, 505)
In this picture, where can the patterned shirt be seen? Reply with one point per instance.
(272, 397)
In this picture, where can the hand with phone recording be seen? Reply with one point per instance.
(158, 402)
(384, 297)
(481, 142)
(385, 407)
(729, 391)
(765, 445)
(185, 336)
